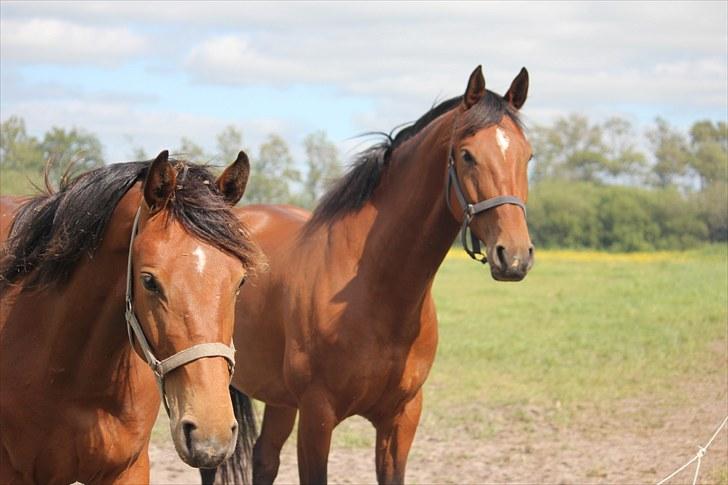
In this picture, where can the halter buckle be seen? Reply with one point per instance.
(469, 212)
(128, 310)
(157, 369)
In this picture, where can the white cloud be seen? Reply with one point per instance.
(397, 58)
(231, 60)
(580, 55)
(120, 125)
(59, 41)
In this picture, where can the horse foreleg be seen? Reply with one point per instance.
(275, 430)
(316, 422)
(394, 438)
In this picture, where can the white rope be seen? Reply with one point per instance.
(699, 456)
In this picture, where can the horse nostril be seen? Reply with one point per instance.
(501, 256)
(188, 427)
(234, 428)
(530, 252)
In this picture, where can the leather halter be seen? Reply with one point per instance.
(470, 210)
(183, 357)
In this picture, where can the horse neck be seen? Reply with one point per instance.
(91, 343)
(409, 228)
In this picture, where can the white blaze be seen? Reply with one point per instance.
(502, 140)
(201, 258)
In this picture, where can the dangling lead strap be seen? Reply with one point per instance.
(163, 367)
(470, 210)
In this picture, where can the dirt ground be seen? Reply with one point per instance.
(636, 441)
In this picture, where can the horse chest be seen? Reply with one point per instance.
(75, 445)
(103, 442)
(393, 376)
(361, 353)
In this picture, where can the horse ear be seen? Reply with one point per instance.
(233, 180)
(159, 184)
(518, 91)
(476, 88)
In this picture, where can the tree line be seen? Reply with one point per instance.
(603, 186)
(275, 177)
(597, 185)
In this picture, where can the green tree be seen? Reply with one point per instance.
(229, 144)
(190, 151)
(138, 153)
(573, 148)
(17, 149)
(272, 174)
(323, 165)
(70, 151)
(23, 158)
(76, 146)
(622, 158)
(709, 146)
(671, 151)
(570, 149)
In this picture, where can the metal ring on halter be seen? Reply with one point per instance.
(469, 211)
(160, 368)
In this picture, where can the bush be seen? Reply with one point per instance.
(712, 205)
(563, 214)
(681, 223)
(616, 218)
(625, 220)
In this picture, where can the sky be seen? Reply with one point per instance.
(144, 74)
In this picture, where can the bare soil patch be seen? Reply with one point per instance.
(631, 441)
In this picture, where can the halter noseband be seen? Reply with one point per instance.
(470, 210)
(183, 357)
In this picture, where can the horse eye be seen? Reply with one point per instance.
(467, 157)
(149, 283)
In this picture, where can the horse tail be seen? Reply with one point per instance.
(236, 469)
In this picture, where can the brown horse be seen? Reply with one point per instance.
(344, 323)
(77, 403)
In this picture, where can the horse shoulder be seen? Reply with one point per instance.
(264, 305)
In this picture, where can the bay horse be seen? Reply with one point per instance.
(156, 244)
(344, 322)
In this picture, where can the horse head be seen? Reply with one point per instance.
(188, 260)
(489, 160)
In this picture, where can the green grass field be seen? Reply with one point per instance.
(582, 326)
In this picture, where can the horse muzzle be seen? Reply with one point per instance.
(203, 450)
(510, 264)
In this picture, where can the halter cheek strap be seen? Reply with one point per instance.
(470, 210)
(165, 366)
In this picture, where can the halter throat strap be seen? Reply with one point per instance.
(183, 357)
(471, 210)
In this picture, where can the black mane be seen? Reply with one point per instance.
(52, 231)
(356, 187)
